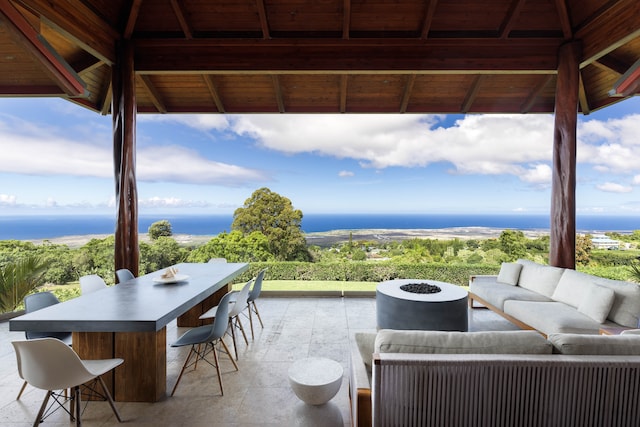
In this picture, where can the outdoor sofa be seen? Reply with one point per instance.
(557, 300)
(505, 378)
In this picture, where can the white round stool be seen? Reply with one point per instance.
(315, 380)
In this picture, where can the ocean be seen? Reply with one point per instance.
(48, 227)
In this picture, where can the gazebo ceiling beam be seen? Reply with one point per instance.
(348, 56)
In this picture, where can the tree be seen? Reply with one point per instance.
(583, 248)
(512, 243)
(234, 247)
(274, 216)
(160, 229)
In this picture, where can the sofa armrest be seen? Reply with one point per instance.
(478, 278)
(360, 380)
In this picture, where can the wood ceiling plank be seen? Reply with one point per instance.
(156, 98)
(610, 29)
(78, 23)
(535, 93)
(512, 15)
(264, 21)
(582, 97)
(278, 93)
(344, 85)
(471, 95)
(613, 64)
(346, 19)
(408, 90)
(428, 18)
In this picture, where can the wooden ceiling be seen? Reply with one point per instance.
(318, 56)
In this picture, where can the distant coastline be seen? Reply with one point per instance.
(321, 229)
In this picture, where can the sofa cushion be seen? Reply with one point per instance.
(552, 317)
(539, 278)
(626, 305)
(596, 344)
(571, 287)
(597, 302)
(509, 273)
(440, 342)
(497, 293)
(365, 342)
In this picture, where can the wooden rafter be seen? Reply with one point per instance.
(213, 90)
(582, 97)
(533, 96)
(54, 65)
(346, 19)
(512, 15)
(428, 18)
(132, 17)
(629, 83)
(611, 63)
(406, 96)
(106, 100)
(344, 82)
(563, 16)
(471, 94)
(153, 93)
(178, 9)
(278, 92)
(264, 22)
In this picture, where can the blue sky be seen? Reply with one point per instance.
(57, 159)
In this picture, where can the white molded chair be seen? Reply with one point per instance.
(217, 260)
(36, 302)
(49, 364)
(253, 296)
(91, 283)
(124, 274)
(238, 302)
(209, 335)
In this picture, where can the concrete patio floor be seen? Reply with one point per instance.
(258, 394)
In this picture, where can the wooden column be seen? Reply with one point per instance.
(562, 251)
(124, 111)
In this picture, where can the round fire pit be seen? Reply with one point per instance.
(421, 305)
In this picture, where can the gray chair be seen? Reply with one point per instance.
(36, 302)
(124, 275)
(237, 303)
(91, 283)
(253, 296)
(49, 364)
(209, 336)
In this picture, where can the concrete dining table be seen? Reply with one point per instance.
(129, 321)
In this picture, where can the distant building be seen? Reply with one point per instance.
(600, 241)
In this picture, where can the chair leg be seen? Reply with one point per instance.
(255, 309)
(239, 325)
(42, 409)
(183, 368)
(217, 363)
(21, 390)
(110, 399)
(226, 349)
(250, 321)
(233, 338)
(78, 405)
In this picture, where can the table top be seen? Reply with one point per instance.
(315, 371)
(448, 291)
(138, 305)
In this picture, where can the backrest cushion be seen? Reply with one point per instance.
(509, 273)
(625, 310)
(572, 287)
(576, 344)
(539, 278)
(441, 342)
(597, 302)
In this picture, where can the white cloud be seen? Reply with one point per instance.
(31, 150)
(539, 174)
(612, 187)
(202, 122)
(7, 200)
(636, 180)
(345, 174)
(169, 202)
(482, 144)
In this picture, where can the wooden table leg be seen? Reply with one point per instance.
(143, 375)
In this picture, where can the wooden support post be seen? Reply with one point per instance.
(562, 251)
(124, 108)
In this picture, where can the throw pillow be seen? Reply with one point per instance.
(597, 303)
(509, 273)
(571, 287)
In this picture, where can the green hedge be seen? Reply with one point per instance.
(368, 271)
